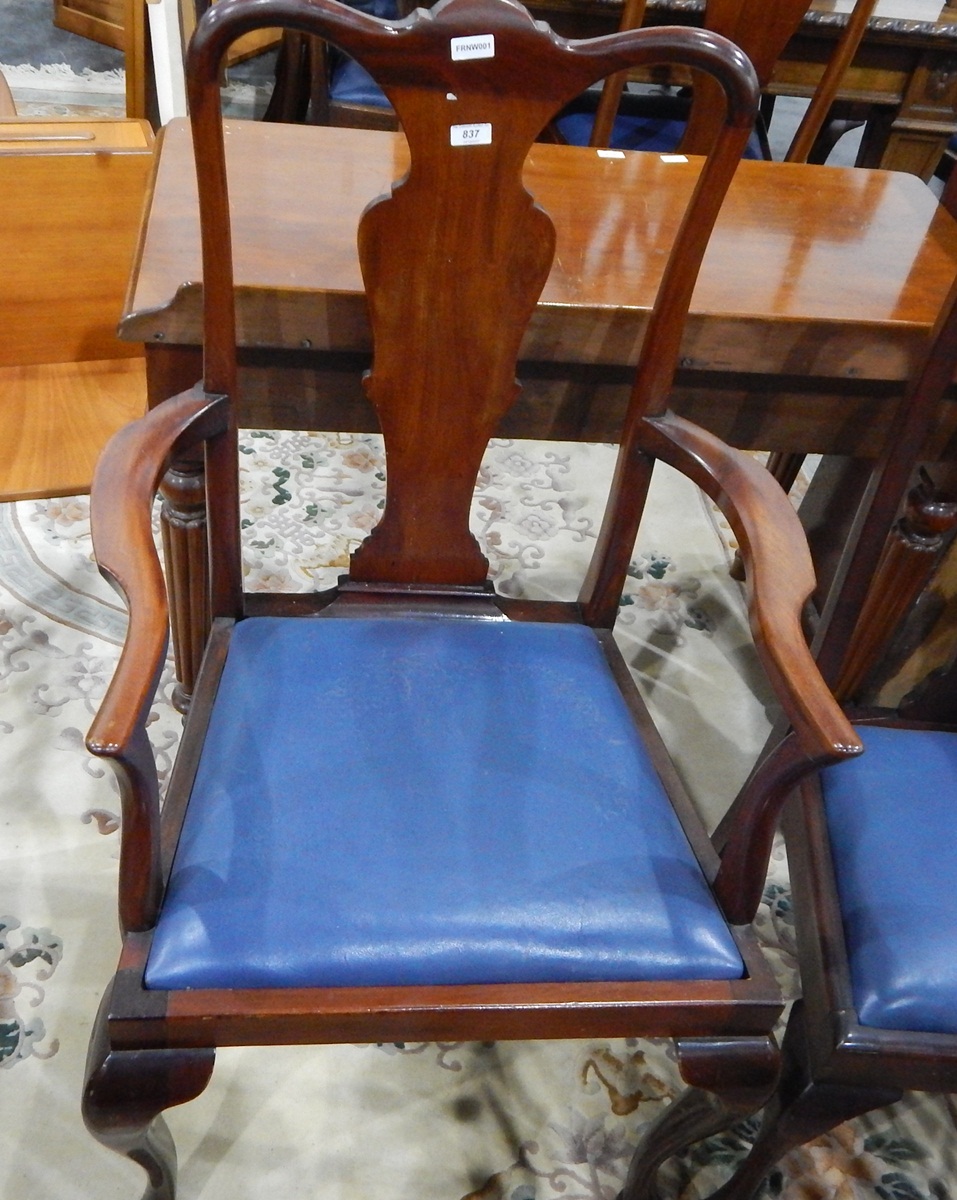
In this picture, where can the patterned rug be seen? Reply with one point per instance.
(508, 1121)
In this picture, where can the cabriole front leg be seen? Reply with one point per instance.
(802, 1109)
(728, 1079)
(126, 1091)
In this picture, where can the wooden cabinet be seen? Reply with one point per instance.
(71, 194)
(105, 21)
(99, 20)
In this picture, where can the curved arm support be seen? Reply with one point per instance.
(779, 580)
(744, 839)
(780, 575)
(126, 480)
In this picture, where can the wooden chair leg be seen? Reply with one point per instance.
(125, 1092)
(729, 1079)
(802, 1109)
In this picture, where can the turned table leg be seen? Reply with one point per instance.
(170, 370)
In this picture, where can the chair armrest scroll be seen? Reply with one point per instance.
(779, 574)
(126, 480)
(121, 504)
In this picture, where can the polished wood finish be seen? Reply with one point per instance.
(834, 1068)
(807, 132)
(746, 1085)
(828, 277)
(457, 243)
(71, 193)
(125, 1115)
(56, 419)
(805, 346)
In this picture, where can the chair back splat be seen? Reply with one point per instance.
(434, 855)
(456, 257)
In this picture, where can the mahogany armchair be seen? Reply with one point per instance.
(871, 845)
(407, 737)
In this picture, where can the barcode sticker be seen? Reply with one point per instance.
(480, 46)
(471, 135)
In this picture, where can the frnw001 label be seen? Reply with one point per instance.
(482, 45)
(471, 135)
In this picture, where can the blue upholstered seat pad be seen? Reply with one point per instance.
(428, 801)
(892, 820)
(352, 84)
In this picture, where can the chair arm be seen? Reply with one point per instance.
(779, 580)
(121, 504)
(127, 477)
(779, 574)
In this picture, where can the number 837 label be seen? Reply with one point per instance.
(471, 135)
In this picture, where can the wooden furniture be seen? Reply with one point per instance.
(132, 35)
(460, 704)
(815, 298)
(8, 107)
(317, 82)
(902, 77)
(762, 32)
(71, 192)
(99, 20)
(314, 80)
(879, 1009)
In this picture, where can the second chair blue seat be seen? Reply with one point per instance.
(646, 121)
(350, 83)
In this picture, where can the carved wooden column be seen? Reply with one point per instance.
(170, 370)
(905, 567)
(183, 519)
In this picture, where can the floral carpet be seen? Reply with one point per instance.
(507, 1121)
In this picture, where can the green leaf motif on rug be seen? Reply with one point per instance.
(19, 1038)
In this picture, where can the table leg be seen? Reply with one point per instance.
(914, 137)
(170, 370)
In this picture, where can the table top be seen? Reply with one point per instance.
(816, 271)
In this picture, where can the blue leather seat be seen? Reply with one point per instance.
(892, 822)
(429, 801)
(636, 126)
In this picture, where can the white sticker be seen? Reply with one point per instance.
(611, 154)
(673, 158)
(480, 46)
(471, 135)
